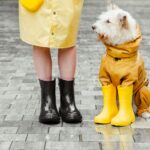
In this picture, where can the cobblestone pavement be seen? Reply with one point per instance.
(20, 91)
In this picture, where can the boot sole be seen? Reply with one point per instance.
(66, 120)
(96, 122)
(49, 121)
(132, 121)
(123, 125)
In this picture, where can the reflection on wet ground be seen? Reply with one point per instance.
(134, 137)
(114, 138)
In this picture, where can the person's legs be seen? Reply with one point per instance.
(67, 67)
(42, 62)
(43, 65)
(67, 63)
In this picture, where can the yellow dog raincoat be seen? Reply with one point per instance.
(123, 65)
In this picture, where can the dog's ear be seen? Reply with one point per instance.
(112, 7)
(123, 19)
(124, 22)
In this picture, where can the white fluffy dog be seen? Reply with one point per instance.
(109, 24)
(115, 27)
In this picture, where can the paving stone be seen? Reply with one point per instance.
(43, 137)
(15, 123)
(140, 125)
(27, 146)
(141, 135)
(68, 136)
(112, 146)
(72, 145)
(2, 117)
(136, 146)
(5, 145)
(32, 129)
(110, 138)
(8, 130)
(13, 137)
(13, 117)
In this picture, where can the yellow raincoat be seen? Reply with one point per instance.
(123, 65)
(54, 24)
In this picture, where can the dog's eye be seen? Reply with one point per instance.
(108, 21)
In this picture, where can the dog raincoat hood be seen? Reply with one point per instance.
(127, 49)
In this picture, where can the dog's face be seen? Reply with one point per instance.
(115, 26)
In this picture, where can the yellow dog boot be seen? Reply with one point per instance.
(125, 115)
(110, 107)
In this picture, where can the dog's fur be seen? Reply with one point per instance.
(109, 24)
(115, 27)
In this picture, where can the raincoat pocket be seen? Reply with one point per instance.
(32, 5)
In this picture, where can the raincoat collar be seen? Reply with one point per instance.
(125, 50)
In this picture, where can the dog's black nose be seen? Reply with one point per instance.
(93, 27)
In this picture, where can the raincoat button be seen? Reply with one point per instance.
(116, 59)
(54, 13)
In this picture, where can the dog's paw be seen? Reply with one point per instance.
(146, 115)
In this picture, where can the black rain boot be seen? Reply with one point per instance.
(49, 113)
(68, 109)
